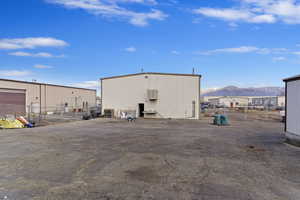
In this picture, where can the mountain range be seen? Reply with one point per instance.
(251, 91)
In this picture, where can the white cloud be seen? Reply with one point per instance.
(297, 53)
(263, 19)
(88, 84)
(233, 24)
(226, 14)
(112, 8)
(242, 49)
(151, 2)
(131, 49)
(280, 58)
(257, 11)
(27, 54)
(20, 53)
(207, 90)
(30, 43)
(235, 15)
(175, 52)
(38, 66)
(9, 73)
(245, 49)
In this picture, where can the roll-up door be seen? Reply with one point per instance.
(12, 101)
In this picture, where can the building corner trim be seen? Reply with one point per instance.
(286, 101)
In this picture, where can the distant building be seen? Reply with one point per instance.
(271, 102)
(98, 101)
(229, 102)
(205, 99)
(281, 101)
(21, 97)
(152, 95)
(292, 112)
(267, 102)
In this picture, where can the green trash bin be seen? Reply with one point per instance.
(221, 120)
(224, 120)
(217, 120)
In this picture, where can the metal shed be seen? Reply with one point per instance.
(152, 95)
(20, 97)
(292, 111)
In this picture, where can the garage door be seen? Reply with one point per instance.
(12, 101)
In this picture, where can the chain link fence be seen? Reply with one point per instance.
(50, 114)
(245, 113)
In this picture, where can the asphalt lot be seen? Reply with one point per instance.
(149, 159)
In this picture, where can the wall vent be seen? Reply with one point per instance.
(152, 95)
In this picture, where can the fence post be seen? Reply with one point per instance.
(28, 112)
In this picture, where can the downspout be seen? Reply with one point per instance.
(45, 96)
(101, 88)
(199, 100)
(40, 98)
(40, 102)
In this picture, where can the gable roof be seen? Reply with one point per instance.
(151, 73)
(37, 83)
(293, 78)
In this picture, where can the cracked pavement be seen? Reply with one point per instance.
(149, 159)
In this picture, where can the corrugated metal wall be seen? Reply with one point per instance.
(293, 107)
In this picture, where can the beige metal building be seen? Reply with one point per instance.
(205, 99)
(292, 111)
(20, 97)
(229, 101)
(267, 101)
(152, 95)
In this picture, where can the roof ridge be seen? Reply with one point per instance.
(155, 73)
(38, 83)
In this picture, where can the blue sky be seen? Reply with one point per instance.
(75, 42)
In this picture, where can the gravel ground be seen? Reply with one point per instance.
(149, 159)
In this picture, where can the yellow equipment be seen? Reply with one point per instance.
(5, 123)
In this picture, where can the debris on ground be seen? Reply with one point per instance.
(9, 123)
(25, 122)
(130, 117)
(86, 116)
(254, 148)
